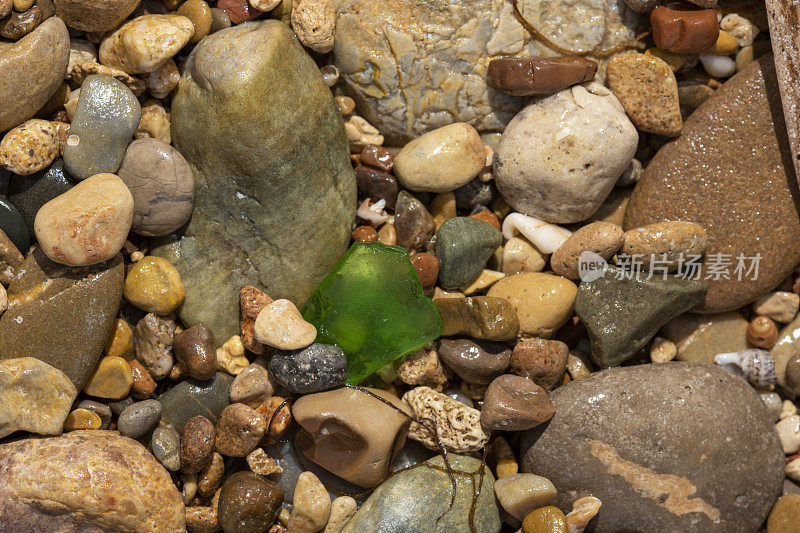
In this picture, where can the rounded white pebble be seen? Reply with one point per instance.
(718, 66)
(545, 236)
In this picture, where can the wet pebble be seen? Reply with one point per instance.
(481, 317)
(111, 378)
(543, 302)
(515, 403)
(165, 445)
(100, 409)
(414, 224)
(145, 43)
(780, 306)
(197, 444)
(376, 184)
(313, 369)
(281, 326)
(153, 341)
(139, 418)
(475, 361)
(684, 31)
(194, 349)
(30, 147)
(521, 494)
(251, 301)
(601, 238)
(542, 361)
(539, 76)
(458, 426)
(311, 505)
(463, 246)
(239, 429)
(252, 386)
(427, 266)
(248, 503)
(154, 286)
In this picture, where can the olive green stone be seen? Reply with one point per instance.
(622, 312)
(480, 317)
(464, 245)
(418, 499)
(61, 316)
(191, 398)
(372, 307)
(275, 190)
(700, 337)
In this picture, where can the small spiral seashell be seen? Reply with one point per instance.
(757, 366)
(546, 237)
(762, 332)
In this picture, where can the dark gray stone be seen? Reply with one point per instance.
(12, 223)
(671, 447)
(463, 246)
(191, 397)
(314, 369)
(139, 418)
(29, 193)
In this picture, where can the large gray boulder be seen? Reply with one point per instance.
(275, 191)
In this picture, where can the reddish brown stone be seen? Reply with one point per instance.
(365, 234)
(377, 157)
(239, 10)
(427, 266)
(488, 217)
(542, 361)
(684, 32)
(539, 76)
(143, 382)
(251, 301)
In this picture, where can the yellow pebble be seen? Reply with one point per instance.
(387, 234)
(484, 281)
(726, 45)
(82, 419)
(507, 467)
(443, 207)
(22, 5)
(111, 379)
(548, 519)
(154, 285)
(675, 61)
(120, 342)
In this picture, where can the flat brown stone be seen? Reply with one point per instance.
(730, 172)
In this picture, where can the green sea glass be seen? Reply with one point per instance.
(372, 306)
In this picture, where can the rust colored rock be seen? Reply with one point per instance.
(252, 301)
(377, 157)
(539, 76)
(427, 267)
(488, 217)
(514, 403)
(542, 361)
(86, 481)
(365, 234)
(684, 32)
(143, 383)
(197, 444)
(239, 10)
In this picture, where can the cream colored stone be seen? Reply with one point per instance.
(30, 147)
(80, 50)
(360, 132)
(262, 464)
(788, 409)
(583, 510)
(88, 224)
(311, 505)
(578, 364)
(72, 103)
(520, 256)
(230, 356)
(543, 302)
(484, 281)
(780, 306)
(313, 22)
(742, 29)
(665, 244)
(163, 79)
(423, 368)
(154, 122)
(281, 326)
(342, 510)
(546, 237)
(789, 432)
(265, 5)
(145, 43)
(441, 160)
(522, 493)
(83, 69)
(662, 350)
(457, 425)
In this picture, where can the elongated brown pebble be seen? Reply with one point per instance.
(539, 76)
(684, 31)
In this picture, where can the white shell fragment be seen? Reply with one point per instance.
(545, 236)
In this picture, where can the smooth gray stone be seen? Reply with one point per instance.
(29, 193)
(105, 119)
(191, 397)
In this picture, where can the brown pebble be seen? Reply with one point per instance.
(239, 10)
(252, 386)
(10, 259)
(211, 476)
(427, 267)
(376, 185)
(202, 520)
(377, 157)
(197, 444)
(252, 301)
(487, 216)
(120, 342)
(279, 418)
(345, 104)
(143, 383)
(539, 76)
(82, 419)
(200, 14)
(762, 332)
(515, 403)
(18, 25)
(239, 430)
(542, 361)
(195, 350)
(365, 234)
(684, 31)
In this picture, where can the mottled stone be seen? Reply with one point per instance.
(419, 497)
(63, 317)
(31, 70)
(248, 503)
(34, 397)
(316, 368)
(481, 317)
(139, 418)
(195, 351)
(239, 429)
(758, 215)
(540, 360)
(414, 224)
(10, 260)
(640, 451)
(514, 403)
(165, 445)
(104, 122)
(698, 338)
(191, 398)
(43, 486)
(197, 444)
(254, 158)
(162, 186)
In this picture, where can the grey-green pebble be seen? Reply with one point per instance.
(463, 246)
(139, 418)
(105, 119)
(166, 447)
(191, 397)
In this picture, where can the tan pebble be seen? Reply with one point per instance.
(441, 160)
(662, 350)
(780, 306)
(3, 299)
(787, 409)
(522, 493)
(443, 208)
(281, 326)
(501, 454)
(251, 301)
(543, 302)
(458, 426)
(72, 104)
(278, 415)
(202, 520)
(675, 61)
(793, 469)
(62, 132)
(506, 467)
(137, 256)
(145, 43)
(154, 286)
(423, 368)
(548, 519)
(601, 238)
(647, 88)
(262, 464)
(88, 224)
(762, 332)
(111, 379)
(230, 356)
(313, 21)
(84, 69)
(345, 104)
(726, 45)
(312, 505)
(519, 255)
(120, 342)
(210, 476)
(692, 95)
(578, 365)
(164, 79)
(200, 14)
(361, 133)
(665, 244)
(740, 28)
(22, 5)
(252, 386)
(583, 510)
(789, 433)
(265, 5)
(153, 343)
(239, 429)
(387, 234)
(783, 518)
(483, 282)
(82, 419)
(342, 510)
(30, 147)
(154, 123)
(365, 234)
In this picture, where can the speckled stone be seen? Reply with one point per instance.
(744, 203)
(139, 418)
(248, 503)
(416, 498)
(316, 368)
(641, 453)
